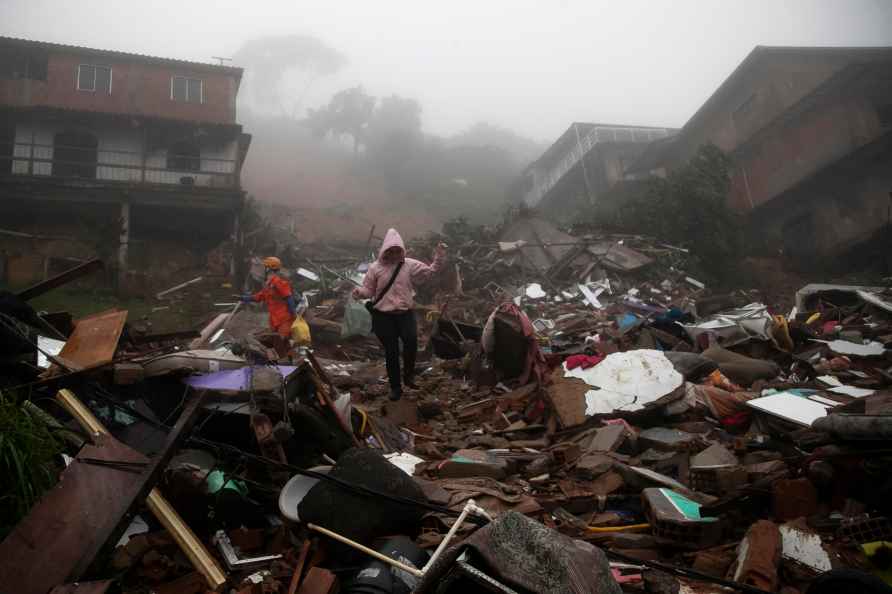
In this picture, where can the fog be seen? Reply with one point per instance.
(414, 113)
(532, 67)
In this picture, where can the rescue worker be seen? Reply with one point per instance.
(393, 319)
(278, 297)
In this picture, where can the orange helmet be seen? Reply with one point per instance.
(272, 263)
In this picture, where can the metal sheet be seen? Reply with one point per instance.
(94, 340)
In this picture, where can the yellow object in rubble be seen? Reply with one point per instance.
(300, 332)
(781, 334)
(813, 318)
(626, 528)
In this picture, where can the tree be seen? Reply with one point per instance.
(689, 208)
(282, 69)
(348, 112)
(394, 134)
(482, 134)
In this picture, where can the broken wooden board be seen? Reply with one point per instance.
(65, 530)
(63, 533)
(94, 340)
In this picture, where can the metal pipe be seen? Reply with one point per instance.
(470, 507)
(412, 570)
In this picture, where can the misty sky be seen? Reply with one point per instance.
(530, 66)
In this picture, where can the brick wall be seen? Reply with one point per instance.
(138, 88)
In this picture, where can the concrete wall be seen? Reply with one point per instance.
(832, 212)
(754, 100)
(793, 151)
(138, 88)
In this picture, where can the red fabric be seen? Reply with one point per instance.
(535, 367)
(275, 294)
(584, 361)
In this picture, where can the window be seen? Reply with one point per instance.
(188, 90)
(94, 78)
(184, 156)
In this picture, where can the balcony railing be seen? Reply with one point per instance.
(546, 180)
(116, 166)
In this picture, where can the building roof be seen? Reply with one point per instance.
(558, 147)
(760, 53)
(78, 49)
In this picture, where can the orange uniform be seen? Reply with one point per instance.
(276, 294)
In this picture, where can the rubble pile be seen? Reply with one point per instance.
(590, 417)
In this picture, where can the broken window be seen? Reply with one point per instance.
(94, 78)
(187, 90)
(184, 156)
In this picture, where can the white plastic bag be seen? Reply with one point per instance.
(357, 319)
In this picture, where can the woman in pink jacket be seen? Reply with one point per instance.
(392, 316)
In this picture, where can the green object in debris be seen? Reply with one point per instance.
(28, 466)
(688, 508)
(217, 481)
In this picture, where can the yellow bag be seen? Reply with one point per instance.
(300, 332)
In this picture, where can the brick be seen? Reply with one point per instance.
(318, 581)
(607, 483)
(608, 439)
(593, 465)
(758, 556)
(794, 498)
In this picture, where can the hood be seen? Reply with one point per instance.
(391, 239)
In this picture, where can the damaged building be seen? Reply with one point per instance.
(808, 132)
(102, 150)
(586, 161)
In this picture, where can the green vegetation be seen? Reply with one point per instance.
(688, 208)
(27, 452)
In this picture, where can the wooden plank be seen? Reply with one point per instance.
(60, 279)
(69, 525)
(67, 528)
(94, 340)
(299, 568)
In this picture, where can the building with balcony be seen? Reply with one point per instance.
(586, 161)
(122, 140)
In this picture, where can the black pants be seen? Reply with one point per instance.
(390, 328)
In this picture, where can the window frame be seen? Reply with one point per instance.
(187, 79)
(77, 82)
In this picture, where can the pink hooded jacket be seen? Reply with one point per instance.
(401, 296)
